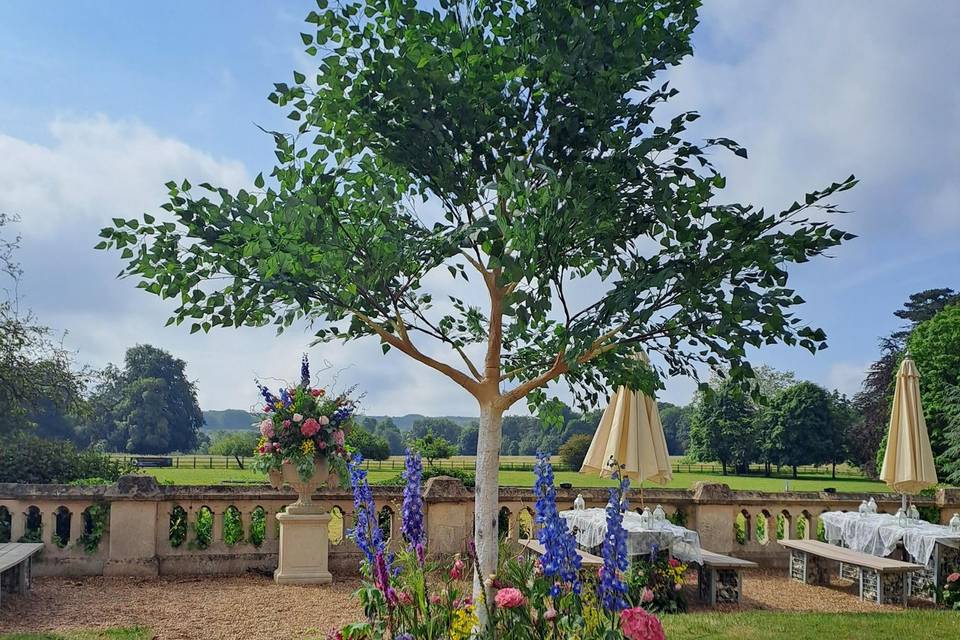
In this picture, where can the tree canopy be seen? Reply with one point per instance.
(935, 347)
(513, 148)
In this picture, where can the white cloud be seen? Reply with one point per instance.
(846, 377)
(97, 168)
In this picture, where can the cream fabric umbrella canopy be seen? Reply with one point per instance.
(908, 461)
(630, 432)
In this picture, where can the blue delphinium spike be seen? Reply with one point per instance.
(560, 558)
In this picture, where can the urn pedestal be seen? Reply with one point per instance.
(304, 536)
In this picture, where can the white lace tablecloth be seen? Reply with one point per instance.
(879, 533)
(590, 527)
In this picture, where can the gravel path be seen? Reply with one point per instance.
(254, 607)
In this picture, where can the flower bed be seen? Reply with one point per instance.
(406, 596)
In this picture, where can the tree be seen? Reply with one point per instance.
(234, 443)
(843, 416)
(433, 447)
(676, 427)
(950, 460)
(515, 147)
(38, 382)
(149, 406)
(370, 446)
(802, 426)
(722, 427)
(868, 436)
(468, 439)
(935, 347)
(441, 427)
(389, 431)
(575, 450)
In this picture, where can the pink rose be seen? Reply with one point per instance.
(456, 571)
(297, 417)
(321, 445)
(953, 577)
(638, 624)
(266, 428)
(286, 424)
(309, 427)
(647, 595)
(509, 598)
(324, 420)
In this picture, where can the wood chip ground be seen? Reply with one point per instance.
(253, 607)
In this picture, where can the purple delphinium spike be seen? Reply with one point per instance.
(366, 532)
(305, 372)
(412, 512)
(611, 588)
(560, 558)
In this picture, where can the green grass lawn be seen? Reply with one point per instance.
(133, 633)
(908, 625)
(814, 626)
(683, 480)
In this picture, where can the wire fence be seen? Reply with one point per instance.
(462, 463)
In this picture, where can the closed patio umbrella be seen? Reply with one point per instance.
(630, 432)
(908, 460)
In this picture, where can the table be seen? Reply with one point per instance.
(880, 534)
(589, 527)
(15, 564)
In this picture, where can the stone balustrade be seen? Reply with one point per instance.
(137, 527)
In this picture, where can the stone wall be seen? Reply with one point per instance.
(142, 516)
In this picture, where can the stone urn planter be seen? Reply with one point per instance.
(289, 476)
(304, 535)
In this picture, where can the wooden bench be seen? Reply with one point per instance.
(719, 579)
(882, 580)
(15, 564)
(153, 462)
(586, 559)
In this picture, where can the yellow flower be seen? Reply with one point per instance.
(262, 441)
(463, 624)
(307, 447)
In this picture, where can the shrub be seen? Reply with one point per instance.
(575, 450)
(29, 459)
(468, 478)
(237, 443)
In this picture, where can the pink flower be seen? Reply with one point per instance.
(404, 598)
(638, 624)
(338, 438)
(550, 614)
(297, 417)
(267, 409)
(509, 598)
(677, 587)
(456, 571)
(953, 577)
(286, 424)
(674, 563)
(647, 595)
(309, 427)
(321, 445)
(276, 446)
(266, 428)
(324, 420)
(316, 393)
(435, 599)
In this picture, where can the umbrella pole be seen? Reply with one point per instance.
(903, 502)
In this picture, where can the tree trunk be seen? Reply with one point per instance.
(834, 473)
(724, 467)
(487, 499)
(794, 471)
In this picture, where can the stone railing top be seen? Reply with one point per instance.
(447, 489)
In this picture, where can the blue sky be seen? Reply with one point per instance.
(101, 103)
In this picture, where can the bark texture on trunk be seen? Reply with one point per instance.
(487, 497)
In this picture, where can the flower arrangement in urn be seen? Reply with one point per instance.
(303, 430)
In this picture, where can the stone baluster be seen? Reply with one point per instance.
(18, 522)
(245, 515)
(217, 525)
(48, 524)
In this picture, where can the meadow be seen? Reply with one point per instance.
(517, 471)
